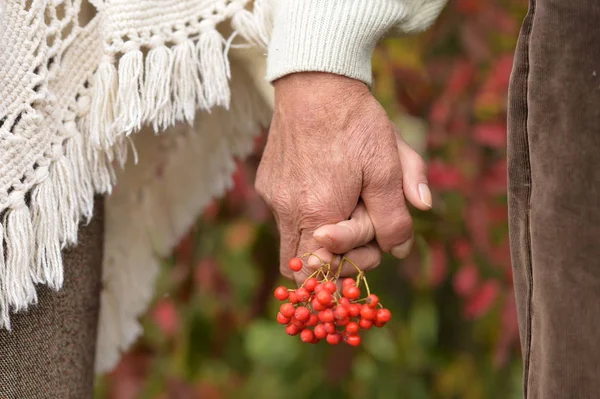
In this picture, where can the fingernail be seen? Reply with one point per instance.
(323, 238)
(425, 194)
(401, 251)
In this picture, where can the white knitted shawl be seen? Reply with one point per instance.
(73, 90)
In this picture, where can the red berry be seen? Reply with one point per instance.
(298, 323)
(320, 331)
(353, 340)
(326, 316)
(354, 310)
(367, 312)
(307, 336)
(324, 298)
(365, 324)
(330, 286)
(351, 292)
(295, 264)
(340, 312)
(342, 322)
(302, 313)
(310, 284)
(281, 293)
(352, 327)
(294, 297)
(319, 288)
(383, 316)
(348, 282)
(372, 300)
(345, 302)
(292, 330)
(329, 327)
(303, 294)
(281, 319)
(316, 305)
(287, 309)
(312, 320)
(379, 323)
(334, 339)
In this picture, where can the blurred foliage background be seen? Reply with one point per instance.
(212, 333)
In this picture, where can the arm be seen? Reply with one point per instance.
(332, 153)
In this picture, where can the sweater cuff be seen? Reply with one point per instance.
(335, 36)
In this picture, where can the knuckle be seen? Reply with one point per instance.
(281, 203)
(261, 187)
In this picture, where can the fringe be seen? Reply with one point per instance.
(157, 88)
(213, 67)
(18, 287)
(46, 225)
(102, 115)
(255, 25)
(82, 177)
(186, 85)
(129, 101)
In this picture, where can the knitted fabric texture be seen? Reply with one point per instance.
(72, 94)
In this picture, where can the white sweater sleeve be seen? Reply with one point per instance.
(339, 36)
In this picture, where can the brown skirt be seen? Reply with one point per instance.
(554, 197)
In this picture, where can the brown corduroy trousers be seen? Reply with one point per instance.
(554, 197)
(49, 354)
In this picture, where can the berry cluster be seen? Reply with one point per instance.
(317, 310)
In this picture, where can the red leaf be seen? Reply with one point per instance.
(443, 176)
(491, 134)
(483, 299)
(478, 223)
(462, 249)
(466, 279)
(469, 7)
(460, 79)
(165, 315)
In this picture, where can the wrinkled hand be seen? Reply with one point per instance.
(332, 153)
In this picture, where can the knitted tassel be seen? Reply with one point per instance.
(66, 199)
(157, 88)
(213, 68)
(254, 26)
(129, 103)
(102, 113)
(250, 27)
(82, 179)
(103, 174)
(18, 287)
(46, 225)
(185, 82)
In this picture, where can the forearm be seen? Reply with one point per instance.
(338, 36)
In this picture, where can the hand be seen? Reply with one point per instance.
(347, 237)
(331, 144)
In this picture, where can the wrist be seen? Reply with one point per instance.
(318, 95)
